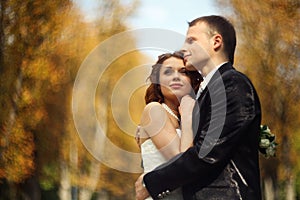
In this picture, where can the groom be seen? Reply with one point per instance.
(223, 161)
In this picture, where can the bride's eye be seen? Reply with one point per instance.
(183, 71)
(168, 71)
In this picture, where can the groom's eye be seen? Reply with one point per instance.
(189, 40)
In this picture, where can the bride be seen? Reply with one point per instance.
(165, 128)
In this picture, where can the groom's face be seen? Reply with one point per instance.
(197, 46)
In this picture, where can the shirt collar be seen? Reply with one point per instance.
(207, 78)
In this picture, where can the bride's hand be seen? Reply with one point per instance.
(186, 105)
(140, 190)
(138, 136)
(186, 111)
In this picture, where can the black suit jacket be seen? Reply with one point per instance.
(223, 162)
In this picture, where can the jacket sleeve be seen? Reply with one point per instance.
(228, 108)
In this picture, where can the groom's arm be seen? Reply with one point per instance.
(190, 166)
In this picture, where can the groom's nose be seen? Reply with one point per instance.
(184, 52)
(184, 47)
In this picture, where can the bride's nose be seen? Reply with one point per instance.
(176, 75)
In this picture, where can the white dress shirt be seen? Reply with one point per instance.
(206, 79)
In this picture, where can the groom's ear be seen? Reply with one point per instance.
(217, 41)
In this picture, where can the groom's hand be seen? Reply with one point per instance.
(140, 190)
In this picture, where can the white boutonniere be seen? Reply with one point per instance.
(267, 144)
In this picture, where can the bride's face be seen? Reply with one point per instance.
(173, 79)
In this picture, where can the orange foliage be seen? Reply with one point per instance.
(18, 154)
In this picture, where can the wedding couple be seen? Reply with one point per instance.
(202, 146)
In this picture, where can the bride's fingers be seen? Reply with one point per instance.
(140, 190)
(138, 136)
(186, 102)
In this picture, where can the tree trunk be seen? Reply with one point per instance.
(87, 193)
(14, 108)
(65, 184)
(290, 189)
(31, 189)
(2, 36)
(269, 189)
(12, 191)
(290, 183)
(103, 195)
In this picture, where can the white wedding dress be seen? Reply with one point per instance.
(152, 158)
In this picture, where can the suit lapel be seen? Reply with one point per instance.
(220, 71)
(204, 99)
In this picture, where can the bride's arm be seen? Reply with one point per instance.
(186, 109)
(156, 124)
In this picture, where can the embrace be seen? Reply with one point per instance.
(199, 131)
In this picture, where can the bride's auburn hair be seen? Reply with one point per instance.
(153, 92)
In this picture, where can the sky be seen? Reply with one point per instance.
(172, 15)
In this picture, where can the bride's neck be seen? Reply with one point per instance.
(173, 106)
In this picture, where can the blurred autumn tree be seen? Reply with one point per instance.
(268, 51)
(113, 183)
(42, 45)
(29, 72)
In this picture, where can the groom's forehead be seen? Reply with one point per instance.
(197, 29)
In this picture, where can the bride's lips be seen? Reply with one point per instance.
(176, 86)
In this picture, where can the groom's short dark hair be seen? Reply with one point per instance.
(222, 26)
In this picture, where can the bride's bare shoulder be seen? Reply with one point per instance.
(152, 105)
(152, 112)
